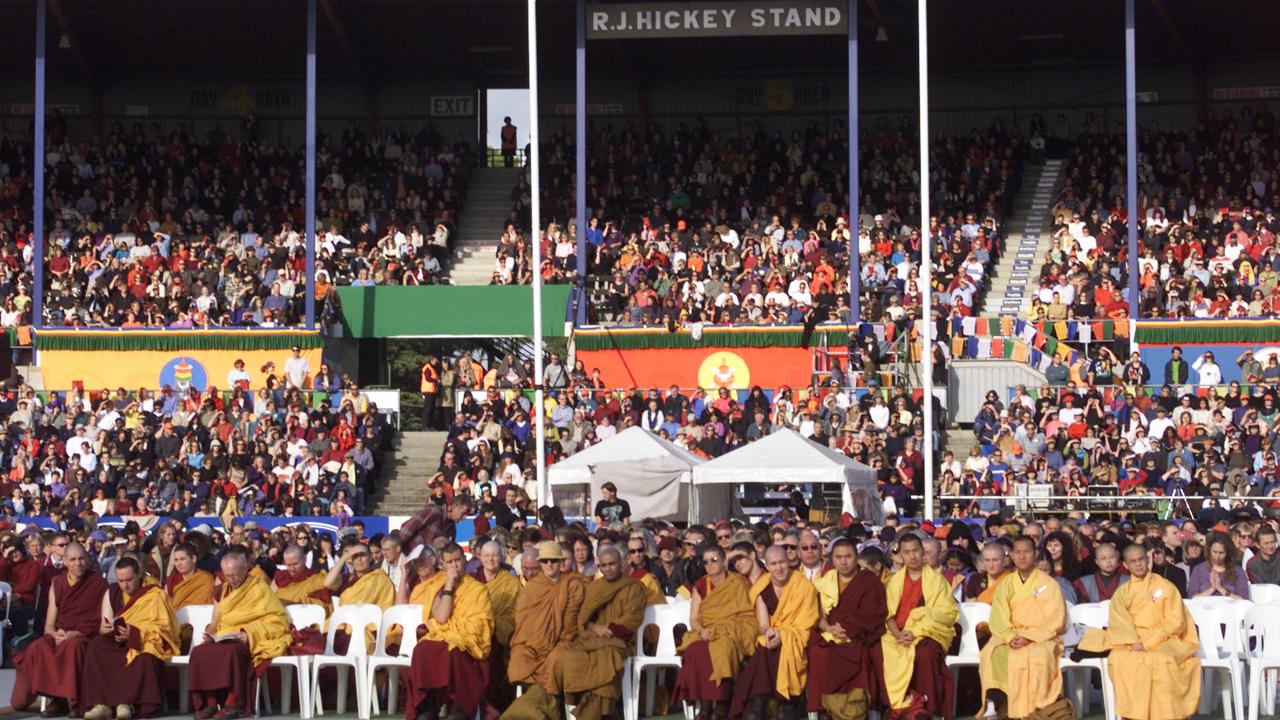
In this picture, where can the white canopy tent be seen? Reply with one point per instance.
(652, 475)
(785, 456)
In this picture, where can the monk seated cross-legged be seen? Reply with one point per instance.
(1152, 642)
(1028, 617)
(249, 629)
(51, 665)
(919, 629)
(722, 633)
(503, 589)
(786, 612)
(124, 664)
(844, 649)
(451, 663)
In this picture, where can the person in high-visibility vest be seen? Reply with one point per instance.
(429, 386)
(508, 142)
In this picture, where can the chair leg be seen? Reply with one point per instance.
(1237, 694)
(184, 694)
(626, 690)
(393, 688)
(286, 689)
(342, 689)
(1255, 690)
(651, 682)
(305, 708)
(1269, 696)
(1108, 692)
(1206, 691)
(1224, 695)
(365, 689)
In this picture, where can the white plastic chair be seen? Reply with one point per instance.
(968, 654)
(6, 591)
(665, 618)
(407, 617)
(300, 616)
(1262, 653)
(1264, 593)
(198, 618)
(357, 618)
(1220, 646)
(1079, 672)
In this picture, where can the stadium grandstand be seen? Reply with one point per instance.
(322, 317)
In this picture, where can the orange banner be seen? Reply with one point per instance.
(710, 368)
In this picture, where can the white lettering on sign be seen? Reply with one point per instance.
(717, 18)
(452, 106)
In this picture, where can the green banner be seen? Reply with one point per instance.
(722, 337)
(1208, 332)
(174, 340)
(451, 311)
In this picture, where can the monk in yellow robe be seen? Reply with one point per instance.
(451, 663)
(919, 630)
(364, 584)
(546, 622)
(188, 584)
(612, 610)
(249, 629)
(1028, 617)
(124, 665)
(1152, 641)
(786, 612)
(722, 633)
(503, 588)
(637, 570)
(981, 586)
(298, 584)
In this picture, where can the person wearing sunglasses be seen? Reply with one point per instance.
(547, 614)
(638, 568)
(810, 553)
(722, 631)
(786, 612)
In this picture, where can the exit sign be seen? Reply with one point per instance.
(453, 106)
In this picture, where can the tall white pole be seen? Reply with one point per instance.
(926, 274)
(540, 435)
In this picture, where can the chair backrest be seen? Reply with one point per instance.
(407, 617)
(1232, 613)
(1262, 632)
(357, 618)
(665, 618)
(196, 617)
(1264, 593)
(304, 616)
(971, 613)
(1218, 628)
(1091, 615)
(6, 591)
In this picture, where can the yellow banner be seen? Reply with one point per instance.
(152, 369)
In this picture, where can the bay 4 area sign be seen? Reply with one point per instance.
(712, 19)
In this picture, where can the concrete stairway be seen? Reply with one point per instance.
(488, 205)
(1013, 282)
(405, 475)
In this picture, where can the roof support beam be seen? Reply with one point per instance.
(878, 14)
(339, 29)
(64, 25)
(1172, 28)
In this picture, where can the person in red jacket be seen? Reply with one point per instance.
(23, 575)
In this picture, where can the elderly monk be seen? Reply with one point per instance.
(249, 628)
(188, 584)
(51, 665)
(981, 586)
(297, 584)
(844, 649)
(364, 583)
(503, 588)
(786, 611)
(919, 629)
(722, 633)
(1028, 617)
(530, 568)
(422, 582)
(452, 661)
(124, 664)
(1152, 642)
(636, 564)
(612, 610)
(546, 622)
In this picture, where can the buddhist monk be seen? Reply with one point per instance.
(503, 588)
(787, 609)
(51, 665)
(844, 649)
(363, 583)
(981, 586)
(1020, 661)
(546, 622)
(451, 663)
(919, 629)
(1152, 642)
(249, 628)
(124, 665)
(423, 583)
(612, 610)
(298, 584)
(636, 562)
(188, 584)
(722, 633)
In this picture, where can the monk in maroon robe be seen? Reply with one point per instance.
(51, 665)
(845, 662)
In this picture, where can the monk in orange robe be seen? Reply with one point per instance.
(188, 584)
(503, 589)
(51, 665)
(364, 584)
(124, 664)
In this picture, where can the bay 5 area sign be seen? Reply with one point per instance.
(716, 19)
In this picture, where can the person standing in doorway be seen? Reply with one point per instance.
(508, 142)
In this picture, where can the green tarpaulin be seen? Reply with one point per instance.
(451, 311)
(175, 340)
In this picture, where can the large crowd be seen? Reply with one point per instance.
(751, 226)
(153, 228)
(778, 618)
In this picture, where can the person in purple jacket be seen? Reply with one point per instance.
(1220, 575)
